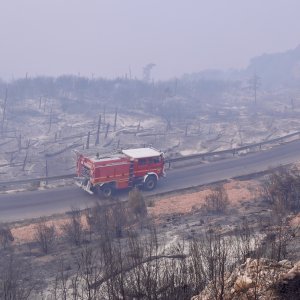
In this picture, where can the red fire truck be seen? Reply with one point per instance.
(129, 168)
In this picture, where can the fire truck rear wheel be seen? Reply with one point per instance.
(150, 183)
(107, 190)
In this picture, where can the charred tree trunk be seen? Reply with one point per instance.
(104, 109)
(26, 155)
(138, 128)
(46, 171)
(88, 140)
(20, 142)
(115, 122)
(4, 112)
(292, 104)
(50, 118)
(45, 102)
(106, 132)
(98, 131)
(186, 130)
(12, 157)
(169, 126)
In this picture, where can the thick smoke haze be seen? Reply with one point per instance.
(113, 38)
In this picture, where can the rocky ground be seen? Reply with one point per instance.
(259, 279)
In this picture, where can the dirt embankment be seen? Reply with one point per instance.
(238, 192)
(183, 204)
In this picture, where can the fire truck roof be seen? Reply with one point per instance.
(141, 152)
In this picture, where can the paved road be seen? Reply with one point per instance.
(24, 205)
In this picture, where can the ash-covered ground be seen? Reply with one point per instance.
(40, 134)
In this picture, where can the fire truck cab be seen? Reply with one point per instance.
(129, 168)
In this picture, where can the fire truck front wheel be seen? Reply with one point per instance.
(150, 183)
(107, 190)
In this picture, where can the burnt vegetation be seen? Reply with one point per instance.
(282, 190)
(116, 251)
(6, 236)
(45, 236)
(198, 112)
(82, 113)
(217, 201)
(173, 100)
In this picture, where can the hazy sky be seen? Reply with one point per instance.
(107, 38)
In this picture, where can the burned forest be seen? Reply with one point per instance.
(44, 119)
(149, 150)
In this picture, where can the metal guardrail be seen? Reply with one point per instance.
(40, 179)
(168, 160)
(232, 150)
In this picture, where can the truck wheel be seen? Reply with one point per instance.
(150, 183)
(85, 181)
(107, 191)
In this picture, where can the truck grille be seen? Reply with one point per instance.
(85, 172)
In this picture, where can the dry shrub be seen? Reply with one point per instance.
(217, 201)
(104, 220)
(151, 203)
(16, 278)
(137, 205)
(45, 235)
(281, 190)
(6, 236)
(73, 229)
